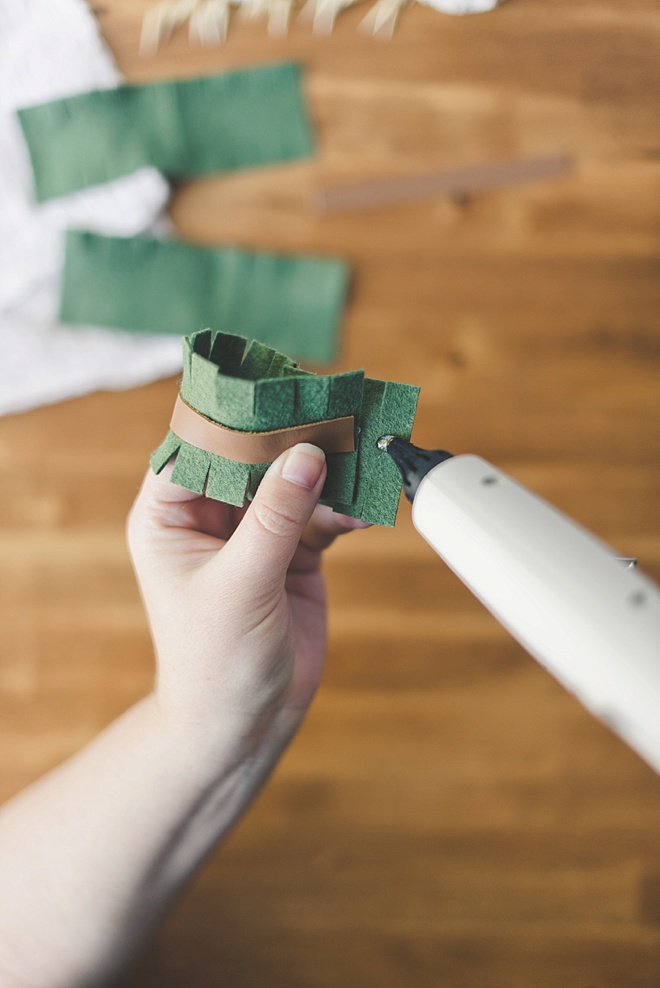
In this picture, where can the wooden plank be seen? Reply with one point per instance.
(449, 815)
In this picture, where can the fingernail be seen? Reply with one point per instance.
(303, 465)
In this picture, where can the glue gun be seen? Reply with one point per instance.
(585, 614)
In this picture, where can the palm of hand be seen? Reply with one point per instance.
(227, 644)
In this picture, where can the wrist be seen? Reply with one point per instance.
(212, 747)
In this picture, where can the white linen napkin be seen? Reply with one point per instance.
(48, 49)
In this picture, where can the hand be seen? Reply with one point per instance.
(236, 599)
(92, 853)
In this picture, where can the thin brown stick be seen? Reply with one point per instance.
(457, 182)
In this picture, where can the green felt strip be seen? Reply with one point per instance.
(187, 127)
(191, 468)
(341, 479)
(364, 483)
(228, 481)
(143, 284)
(169, 446)
(313, 399)
(388, 408)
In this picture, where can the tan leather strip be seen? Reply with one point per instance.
(332, 435)
(458, 182)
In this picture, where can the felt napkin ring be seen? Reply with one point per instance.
(331, 435)
(266, 403)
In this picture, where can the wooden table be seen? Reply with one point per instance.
(448, 816)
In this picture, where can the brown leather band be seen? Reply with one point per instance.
(332, 435)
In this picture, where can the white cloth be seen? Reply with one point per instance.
(48, 49)
(42, 362)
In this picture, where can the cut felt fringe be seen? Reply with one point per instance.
(257, 389)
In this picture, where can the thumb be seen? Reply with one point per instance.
(266, 539)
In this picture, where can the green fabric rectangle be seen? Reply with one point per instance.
(191, 468)
(167, 286)
(202, 372)
(228, 481)
(345, 392)
(364, 483)
(234, 404)
(186, 127)
(169, 446)
(257, 362)
(340, 481)
(274, 404)
(388, 408)
(311, 399)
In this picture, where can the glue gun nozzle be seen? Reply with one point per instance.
(413, 463)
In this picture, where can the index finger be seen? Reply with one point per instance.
(326, 525)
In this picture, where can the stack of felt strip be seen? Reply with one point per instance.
(239, 119)
(256, 389)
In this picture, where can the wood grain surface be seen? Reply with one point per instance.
(449, 816)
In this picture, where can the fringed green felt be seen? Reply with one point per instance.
(294, 304)
(257, 389)
(187, 127)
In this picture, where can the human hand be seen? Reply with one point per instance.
(237, 609)
(236, 599)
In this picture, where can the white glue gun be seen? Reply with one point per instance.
(585, 614)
